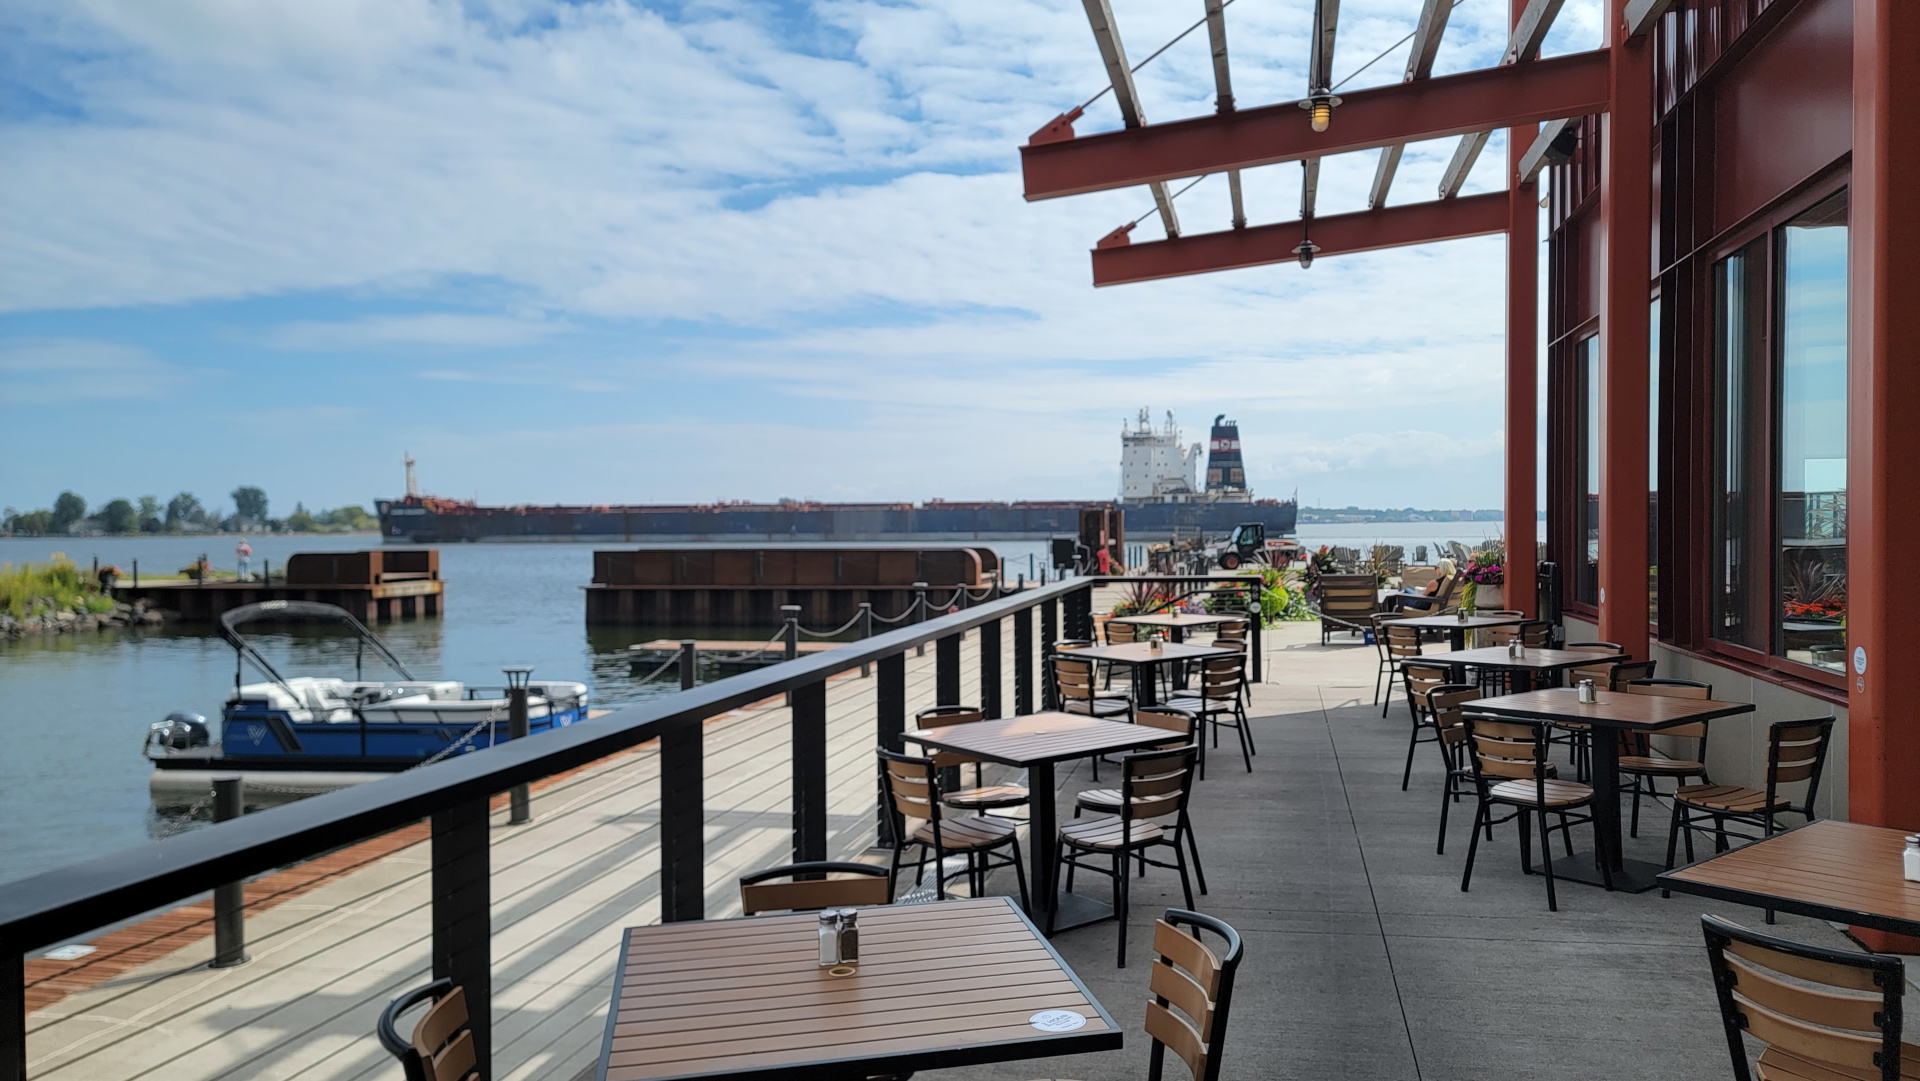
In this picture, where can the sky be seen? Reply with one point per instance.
(698, 251)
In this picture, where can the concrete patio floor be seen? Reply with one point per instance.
(1363, 957)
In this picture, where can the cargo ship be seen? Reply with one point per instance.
(1160, 495)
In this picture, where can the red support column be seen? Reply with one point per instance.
(1883, 732)
(1626, 206)
(1523, 306)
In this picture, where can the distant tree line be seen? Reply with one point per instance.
(184, 513)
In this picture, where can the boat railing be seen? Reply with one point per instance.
(454, 797)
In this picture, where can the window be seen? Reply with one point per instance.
(1586, 374)
(1811, 521)
(1780, 445)
(1653, 464)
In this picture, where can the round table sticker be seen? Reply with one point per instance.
(1057, 1020)
(1859, 660)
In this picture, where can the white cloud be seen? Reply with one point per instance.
(68, 370)
(442, 330)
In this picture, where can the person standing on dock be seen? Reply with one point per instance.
(244, 551)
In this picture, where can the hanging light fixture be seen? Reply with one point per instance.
(1320, 98)
(1319, 105)
(1304, 252)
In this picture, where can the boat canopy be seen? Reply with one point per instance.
(298, 611)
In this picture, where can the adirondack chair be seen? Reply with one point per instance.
(1347, 603)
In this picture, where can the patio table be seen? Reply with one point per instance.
(1842, 871)
(1614, 711)
(1458, 627)
(957, 983)
(1142, 655)
(1177, 622)
(1535, 662)
(1034, 743)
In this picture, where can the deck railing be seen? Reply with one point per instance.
(454, 796)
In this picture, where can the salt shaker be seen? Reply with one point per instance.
(1153, 644)
(1911, 859)
(1515, 650)
(1587, 697)
(849, 936)
(829, 937)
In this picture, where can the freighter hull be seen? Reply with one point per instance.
(421, 520)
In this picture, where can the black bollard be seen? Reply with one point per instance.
(229, 899)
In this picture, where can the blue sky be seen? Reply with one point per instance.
(688, 251)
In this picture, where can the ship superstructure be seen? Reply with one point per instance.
(1154, 466)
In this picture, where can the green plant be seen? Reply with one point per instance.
(1470, 598)
(1143, 597)
(29, 588)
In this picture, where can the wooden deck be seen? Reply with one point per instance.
(339, 942)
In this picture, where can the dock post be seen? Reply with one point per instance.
(919, 613)
(866, 631)
(520, 799)
(791, 612)
(683, 797)
(810, 772)
(1023, 661)
(890, 695)
(136, 574)
(462, 891)
(990, 685)
(229, 899)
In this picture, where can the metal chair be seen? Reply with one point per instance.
(913, 795)
(869, 885)
(1510, 768)
(982, 796)
(1420, 679)
(1641, 764)
(1153, 785)
(1796, 753)
(1191, 978)
(1221, 694)
(1835, 1016)
(441, 1047)
(1185, 728)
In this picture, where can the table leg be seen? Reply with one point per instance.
(1146, 693)
(1631, 876)
(1043, 829)
(1459, 637)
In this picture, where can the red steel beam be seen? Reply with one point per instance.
(1118, 262)
(1507, 96)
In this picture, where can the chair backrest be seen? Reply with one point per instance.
(1156, 783)
(1064, 644)
(1192, 986)
(1073, 677)
(1837, 1009)
(1536, 634)
(1401, 641)
(441, 1047)
(1422, 680)
(1230, 643)
(1122, 633)
(1627, 671)
(1220, 677)
(1233, 629)
(941, 717)
(1446, 706)
(1672, 688)
(1797, 751)
(913, 786)
(1178, 721)
(1601, 671)
(1349, 596)
(1506, 750)
(869, 885)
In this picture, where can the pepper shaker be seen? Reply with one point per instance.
(1587, 695)
(849, 936)
(1515, 650)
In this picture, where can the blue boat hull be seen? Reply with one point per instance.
(271, 737)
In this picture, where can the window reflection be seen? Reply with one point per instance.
(1811, 519)
(1587, 377)
(1740, 307)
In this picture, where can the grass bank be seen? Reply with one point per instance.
(59, 584)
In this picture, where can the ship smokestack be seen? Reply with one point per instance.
(1225, 472)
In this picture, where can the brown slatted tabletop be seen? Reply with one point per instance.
(1829, 870)
(1177, 622)
(1035, 742)
(1142, 656)
(1458, 627)
(950, 984)
(1616, 710)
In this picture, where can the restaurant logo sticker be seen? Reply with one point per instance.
(1057, 1020)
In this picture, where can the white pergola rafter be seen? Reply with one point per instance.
(1114, 55)
(1426, 45)
(1223, 95)
(1523, 44)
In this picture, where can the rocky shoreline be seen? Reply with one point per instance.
(68, 621)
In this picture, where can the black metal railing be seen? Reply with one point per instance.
(454, 796)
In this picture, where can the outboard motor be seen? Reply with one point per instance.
(181, 731)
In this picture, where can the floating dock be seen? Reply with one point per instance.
(379, 585)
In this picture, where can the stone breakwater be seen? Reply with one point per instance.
(68, 621)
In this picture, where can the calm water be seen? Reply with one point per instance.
(75, 708)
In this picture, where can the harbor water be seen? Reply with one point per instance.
(75, 707)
